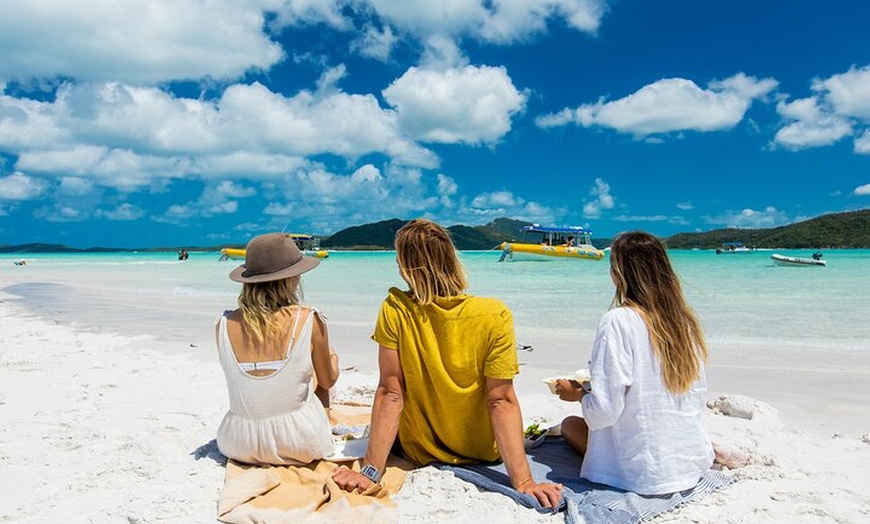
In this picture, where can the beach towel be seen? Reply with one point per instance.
(583, 501)
(266, 494)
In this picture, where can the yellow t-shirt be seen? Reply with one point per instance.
(447, 349)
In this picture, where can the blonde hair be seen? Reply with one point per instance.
(261, 302)
(428, 261)
(646, 281)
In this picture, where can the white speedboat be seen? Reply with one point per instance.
(782, 260)
(729, 248)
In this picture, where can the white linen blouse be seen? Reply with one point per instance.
(642, 437)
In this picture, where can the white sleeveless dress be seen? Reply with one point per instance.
(273, 419)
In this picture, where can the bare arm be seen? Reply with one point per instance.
(324, 360)
(388, 404)
(507, 424)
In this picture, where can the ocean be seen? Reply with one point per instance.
(741, 299)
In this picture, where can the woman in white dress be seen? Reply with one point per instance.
(277, 361)
(641, 425)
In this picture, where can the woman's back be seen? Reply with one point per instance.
(273, 418)
(642, 438)
(447, 349)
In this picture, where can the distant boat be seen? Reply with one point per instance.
(733, 248)
(572, 242)
(782, 260)
(308, 244)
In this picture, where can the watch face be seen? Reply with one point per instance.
(371, 472)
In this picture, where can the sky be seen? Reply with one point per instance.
(143, 123)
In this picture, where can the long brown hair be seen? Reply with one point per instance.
(261, 302)
(428, 261)
(646, 281)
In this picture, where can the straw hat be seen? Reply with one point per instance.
(273, 256)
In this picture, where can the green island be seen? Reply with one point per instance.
(847, 230)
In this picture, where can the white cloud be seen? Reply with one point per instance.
(491, 205)
(862, 143)
(135, 41)
(441, 52)
(375, 43)
(512, 21)
(446, 189)
(500, 199)
(601, 199)
(60, 213)
(124, 212)
(839, 107)
(424, 18)
(330, 200)
(848, 93)
(233, 190)
(177, 212)
(811, 125)
(685, 206)
(501, 22)
(862, 190)
(670, 105)
(470, 105)
(309, 12)
(223, 208)
(72, 186)
(641, 218)
(751, 219)
(19, 186)
(123, 136)
(120, 169)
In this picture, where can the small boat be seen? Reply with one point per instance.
(308, 244)
(571, 242)
(782, 260)
(733, 248)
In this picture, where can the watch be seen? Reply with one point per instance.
(371, 473)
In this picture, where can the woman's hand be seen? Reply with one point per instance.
(350, 480)
(569, 390)
(547, 495)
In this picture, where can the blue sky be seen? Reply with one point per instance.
(181, 122)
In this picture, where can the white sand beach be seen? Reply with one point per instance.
(103, 428)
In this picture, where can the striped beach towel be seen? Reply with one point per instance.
(583, 501)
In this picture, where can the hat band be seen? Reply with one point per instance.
(248, 273)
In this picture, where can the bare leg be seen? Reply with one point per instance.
(576, 433)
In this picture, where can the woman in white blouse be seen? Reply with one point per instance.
(641, 425)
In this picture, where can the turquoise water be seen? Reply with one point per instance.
(743, 300)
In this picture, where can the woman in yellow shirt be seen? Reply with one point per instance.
(447, 362)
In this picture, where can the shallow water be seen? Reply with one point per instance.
(742, 300)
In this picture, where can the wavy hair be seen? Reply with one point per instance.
(428, 261)
(646, 281)
(261, 302)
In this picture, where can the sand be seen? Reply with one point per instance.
(103, 428)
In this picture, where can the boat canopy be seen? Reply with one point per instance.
(535, 228)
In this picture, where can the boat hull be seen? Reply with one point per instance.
(239, 254)
(520, 251)
(782, 260)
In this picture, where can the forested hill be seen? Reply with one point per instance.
(380, 235)
(838, 230)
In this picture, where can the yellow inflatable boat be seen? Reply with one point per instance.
(309, 244)
(571, 242)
